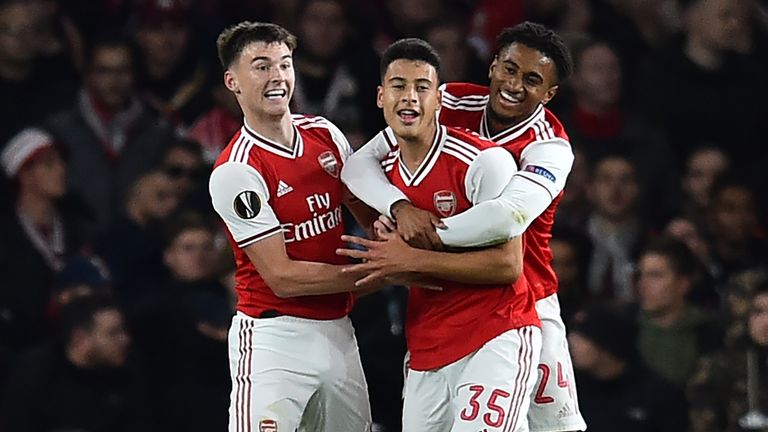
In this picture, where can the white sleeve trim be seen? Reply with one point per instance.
(345, 149)
(240, 196)
(547, 163)
(364, 176)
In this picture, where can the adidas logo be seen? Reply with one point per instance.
(283, 188)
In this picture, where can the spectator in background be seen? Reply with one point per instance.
(728, 392)
(599, 122)
(616, 392)
(334, 77)
(82, 276)
(688, 232)
(737, 237)
(214, 128)
(172, 75)
(408, 18)
(60, 42)
(109, 134)
(37, 236)
(187, 316)
(28, 91)
(571, 250)
(673, 333)
(615, 228)
(183, 163)
(83, 382)
(459, 62)
(136, 242)
(575, 207)
(702, 168)
(704, 60)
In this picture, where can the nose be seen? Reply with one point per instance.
(409, 94)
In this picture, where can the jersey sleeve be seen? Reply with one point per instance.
(345, 149)
(364, 176)
(240, 196)
(489, 174)
(544, 167)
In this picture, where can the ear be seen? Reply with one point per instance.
(493, 66)
(380, 96)
(230, 81)
(550, 94)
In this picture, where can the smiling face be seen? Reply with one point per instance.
(262, 78)
(409, 98)
(521, 78)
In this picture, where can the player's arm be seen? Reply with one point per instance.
(487, 176)
(364, 176)
(544, 167)
(240, 197)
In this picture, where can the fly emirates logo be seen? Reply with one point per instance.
(324, 218)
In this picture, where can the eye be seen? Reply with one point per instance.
(262, 68)
(423, 88)
(532, 81)
(398, 86)
(285, 66)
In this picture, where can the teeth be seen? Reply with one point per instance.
(275, 93)
(509, 97)
(408, 112)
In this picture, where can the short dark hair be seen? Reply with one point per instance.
(677, 254)
(409, 49)
(79, 313)
(540, 38)
(234, 39)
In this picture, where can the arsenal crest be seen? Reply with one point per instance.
(445, 203)
(267, 425)
(328, 161)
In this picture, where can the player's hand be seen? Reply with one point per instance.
(383, 226)
(417, 226)
(387, 259)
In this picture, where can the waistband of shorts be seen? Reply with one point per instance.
(290, 318)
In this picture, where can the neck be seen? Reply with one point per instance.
(413, 151)
(609, 369)
(277, 128)
(615, 222)
(702, 55)
(498, 124)
(670, 317)
(40, 210)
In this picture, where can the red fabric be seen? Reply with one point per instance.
(445, 326)
(537, 260)
(598, 126)
(299, 222)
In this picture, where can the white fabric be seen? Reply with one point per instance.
(489, 174)
(557, 407)
(293, 374)
(488, 390)
(21, 147)
(364, 177)
(229, 181)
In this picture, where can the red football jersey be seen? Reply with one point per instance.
(261, 188)
(444, 326)
(464, 106)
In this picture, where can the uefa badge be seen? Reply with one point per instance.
(328, 161)
(445, 203)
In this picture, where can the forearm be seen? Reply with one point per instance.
(306, 278)
(487, 266)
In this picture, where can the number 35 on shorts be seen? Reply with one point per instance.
(481, 405)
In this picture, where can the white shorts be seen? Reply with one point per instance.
(293, 374)
(488, 390)
(554, 402)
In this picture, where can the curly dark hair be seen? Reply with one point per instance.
(542, 39)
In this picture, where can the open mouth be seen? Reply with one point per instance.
(510, 98)
(407, 116)
(275, 94)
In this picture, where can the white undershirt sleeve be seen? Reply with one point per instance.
(364, 176)
(240, 197)
(544, 167)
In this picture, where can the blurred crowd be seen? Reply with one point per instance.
(116, 280)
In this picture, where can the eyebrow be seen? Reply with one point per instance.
(265, 58)
(418, 80)
(536, 74)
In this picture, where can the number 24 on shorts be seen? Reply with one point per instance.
(562, 382)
